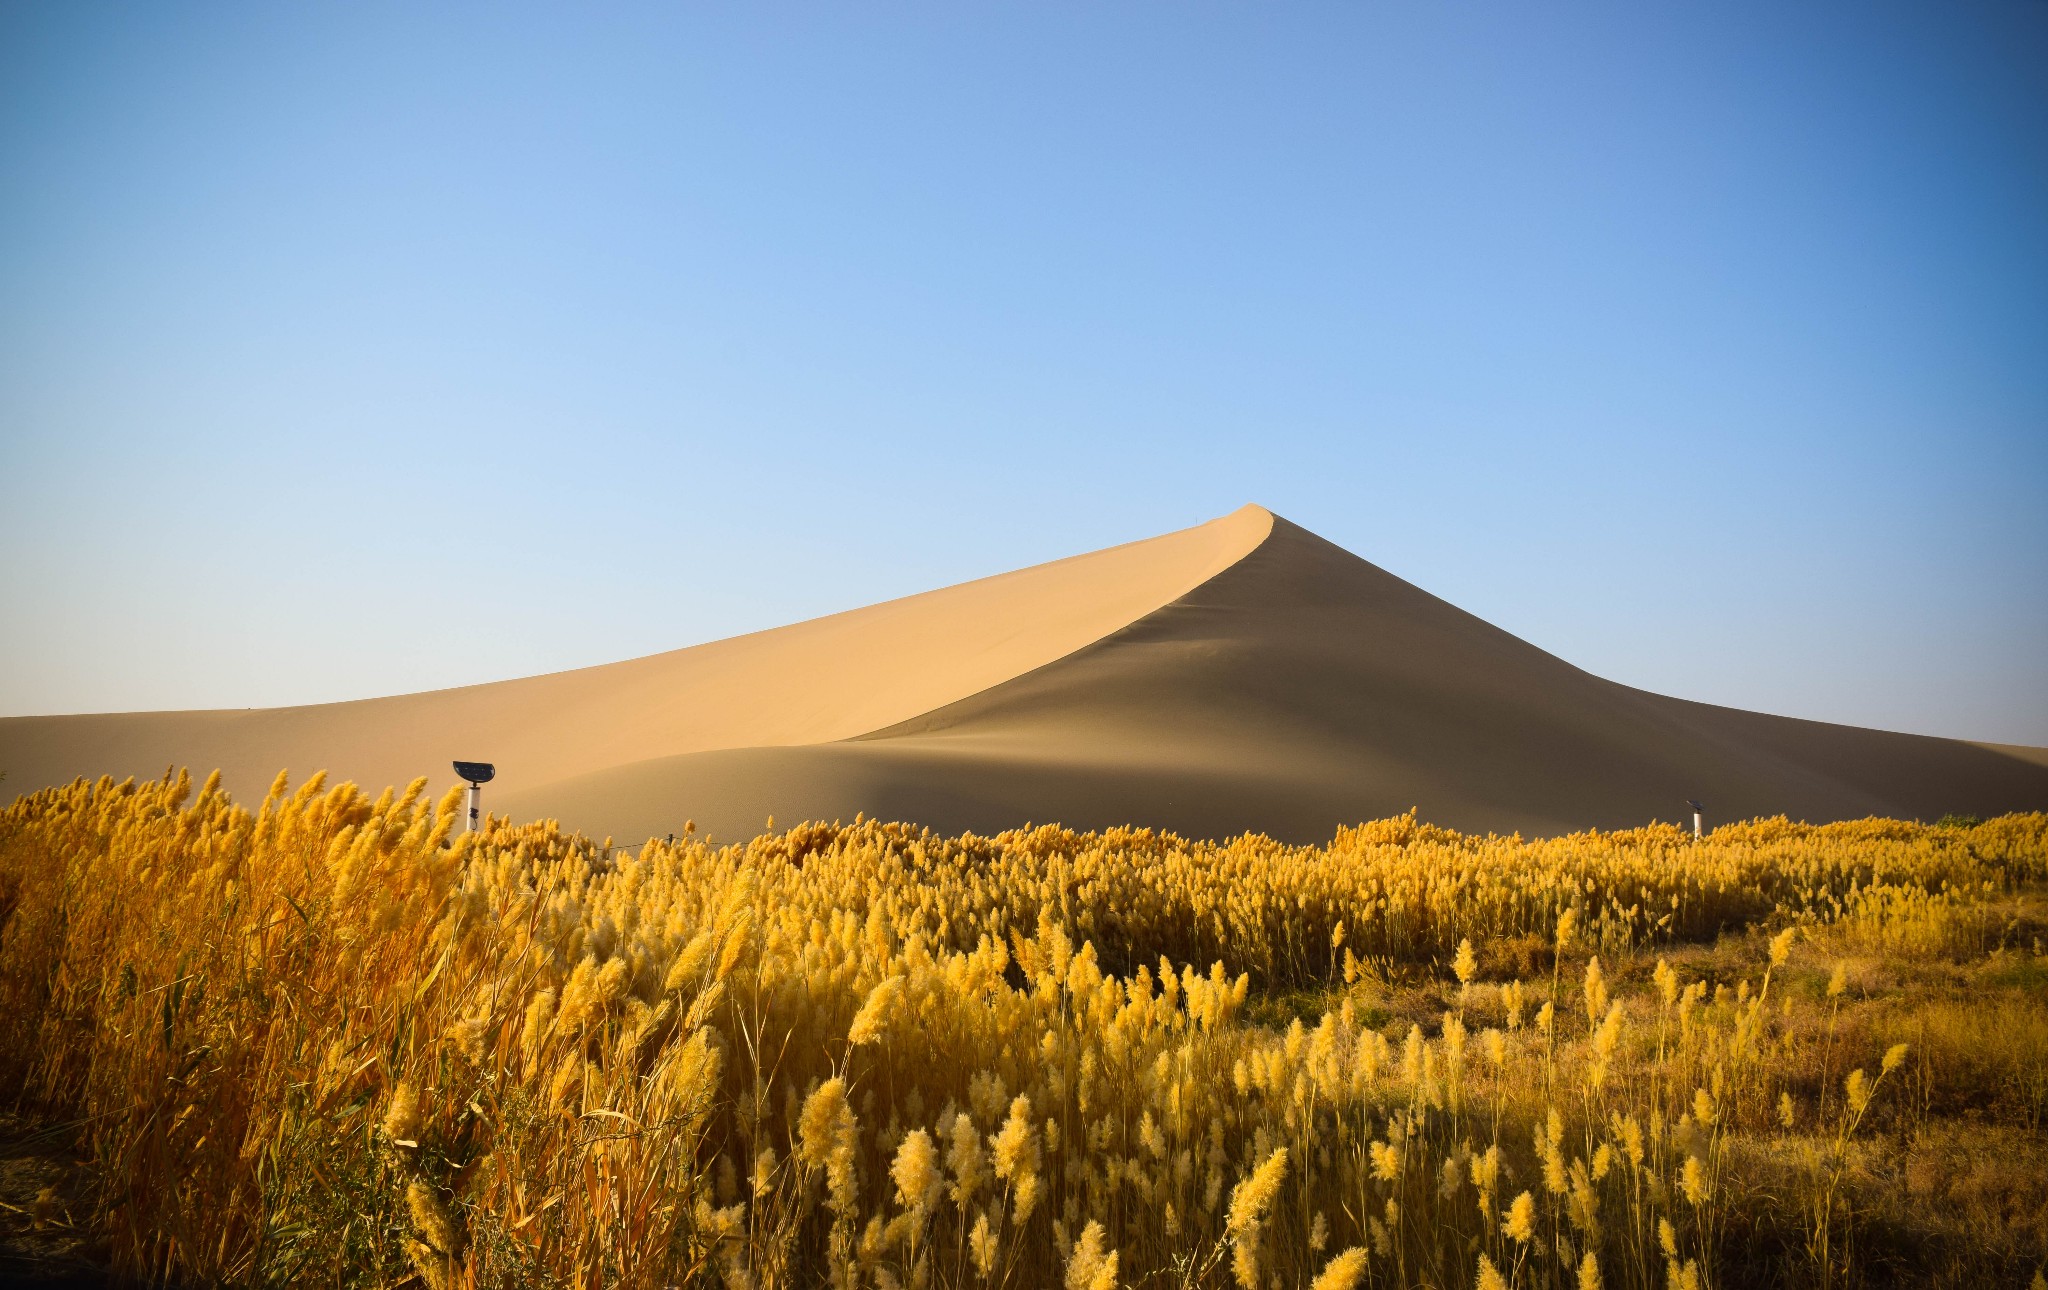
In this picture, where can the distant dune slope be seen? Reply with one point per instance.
(1299, 688)
(1242, 675)
(830, 678)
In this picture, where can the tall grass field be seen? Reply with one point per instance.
(330, 1040)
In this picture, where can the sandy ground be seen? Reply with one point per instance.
(1240, 675)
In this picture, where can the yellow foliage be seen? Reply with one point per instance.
(331, 1039)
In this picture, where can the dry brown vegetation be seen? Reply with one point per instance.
(329, 1040)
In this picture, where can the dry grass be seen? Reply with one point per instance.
(329, 1041)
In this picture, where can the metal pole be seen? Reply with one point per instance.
(476, 793)
(1695, 824)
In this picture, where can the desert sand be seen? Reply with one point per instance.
(1242, 675)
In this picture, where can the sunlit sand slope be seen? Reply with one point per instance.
(827, 679)
(1298, 688)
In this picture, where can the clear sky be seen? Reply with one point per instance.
(352, 349)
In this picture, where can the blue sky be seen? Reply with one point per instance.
(354, 349)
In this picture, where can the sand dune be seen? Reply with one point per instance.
(1244, 674)
(827, 679)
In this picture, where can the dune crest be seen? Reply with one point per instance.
(812, 682)
(1243, 675)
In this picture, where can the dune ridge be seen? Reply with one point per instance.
(1303, 686)
(1243, 675)
(825, 679)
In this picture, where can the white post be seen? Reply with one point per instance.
(478, 773)
(1695, 824)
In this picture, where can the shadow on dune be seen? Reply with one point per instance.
(1298, 689)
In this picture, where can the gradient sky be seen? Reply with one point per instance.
(356, 349)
